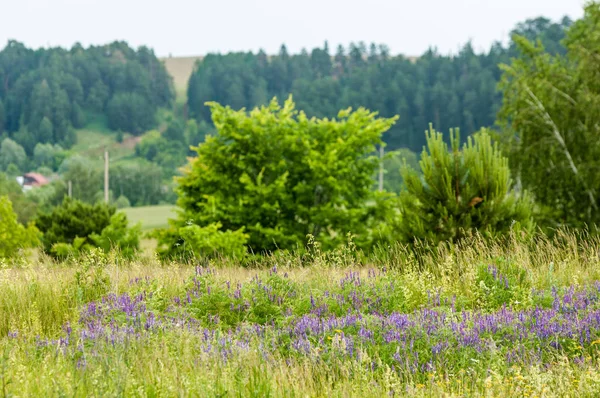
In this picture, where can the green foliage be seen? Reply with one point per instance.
(460, 191)
(175, 130)
(506, 284)
(13, 235)
(130, 112)
(141, 182)
(392, 165)
(371, 328)
(47, 196)
(73, 219)
(23, 204)
(85, 177)
(122, 202)
(91, 281)
(48, 155)
(45, 130)
(282, 176)
(12, 153)
(46, 93)
(75, 228)
(550, 121)
(450, 91)
(117, 235)
(194, 241)
(157, 149)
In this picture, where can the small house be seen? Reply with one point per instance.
(31, 180)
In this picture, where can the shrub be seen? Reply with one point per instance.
(282, 176)
(14, 236)
(75, 227)
(459, 191)
(193, 241)
(117, 235)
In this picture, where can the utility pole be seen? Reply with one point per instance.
(70, 188)
(106, 176)
(381, 168)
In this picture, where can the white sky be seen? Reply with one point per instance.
(187, 27)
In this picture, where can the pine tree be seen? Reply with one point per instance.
(460, 191)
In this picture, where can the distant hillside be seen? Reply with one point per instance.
(180, 68)
(48, 94)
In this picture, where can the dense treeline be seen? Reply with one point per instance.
(46, 93)
(449, 91)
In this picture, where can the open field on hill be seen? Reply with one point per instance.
(512, 318)
(180, 68)
(92, 143)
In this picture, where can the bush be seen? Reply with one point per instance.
(282, 176)
(14, 236)
(460, 191)
(117, 235)
(193, 241)
(75, 227)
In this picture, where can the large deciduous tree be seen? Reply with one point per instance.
(14, 236)
(280, 176)
(551, 123)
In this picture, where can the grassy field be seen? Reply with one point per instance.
(151, 217)
(504, 318)
(180, 68)
(95, 137)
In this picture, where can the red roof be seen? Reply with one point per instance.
(35, 179)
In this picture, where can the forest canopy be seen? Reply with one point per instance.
(47, 93)
(447, 90)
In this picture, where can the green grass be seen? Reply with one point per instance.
(151, 217)
(307, 324)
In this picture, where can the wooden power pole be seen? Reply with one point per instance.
(106, 176)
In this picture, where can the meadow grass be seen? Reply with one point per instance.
(151, 217)
(511, 317)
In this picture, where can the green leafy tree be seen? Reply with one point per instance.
(122, 202)
(12, 153)
(170, 155)
(85, 177)
(140, 182)
(13, 235)
(23, 204)
(45, 131)
(460, 191)
(48, 155)
(175, 130)
(59, 88)
(279, 176)
(549, 120)
(130, 112)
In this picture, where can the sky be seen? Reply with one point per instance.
(187, 27)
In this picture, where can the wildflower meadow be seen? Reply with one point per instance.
(517, 317)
